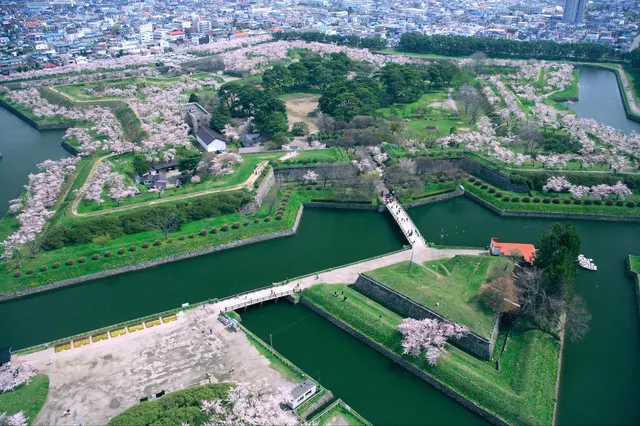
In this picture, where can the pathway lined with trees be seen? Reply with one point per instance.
(247, 184)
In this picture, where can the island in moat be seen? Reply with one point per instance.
(176, 161)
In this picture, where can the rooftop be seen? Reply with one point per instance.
(528, 251)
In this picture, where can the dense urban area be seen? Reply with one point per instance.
(319, 212)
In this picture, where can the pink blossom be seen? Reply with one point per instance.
(428, 336)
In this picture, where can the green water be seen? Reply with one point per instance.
(599, 383)
(325, 238)
(23, 147)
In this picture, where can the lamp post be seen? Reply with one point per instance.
(410, 262)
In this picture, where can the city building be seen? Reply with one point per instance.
(573, 11)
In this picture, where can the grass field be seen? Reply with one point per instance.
(29, 398)
(340, 414)
(522, 392)
(635, 264)
(453, 283)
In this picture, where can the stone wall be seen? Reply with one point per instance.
(31, 122)
(155, 262)
(434, 199)
(551, 215)
(337, 170)
(262, 191)
(492, 418)
(316, 405)
(397, 302)
(348, 206)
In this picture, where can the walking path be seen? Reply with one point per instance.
(345, 275)
(452, 104)
(248, 184)
(409, 229)
(627, 88)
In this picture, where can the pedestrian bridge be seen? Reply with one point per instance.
(409, 229)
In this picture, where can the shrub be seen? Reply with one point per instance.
(121, 251)
(157, 243)
(267, 219)
(309, 187)
(145, 245)
(169, 241)
(484, 186)
(18, 274)
(477, 183)
(471, 179)
(442, 179)
(203, 232)
(181, 237)
(577, 202)
(567, 201)
(56, 265)
(516, 199)
(556, 201)
(107, 254)
(536, 200)
(44, 268)
(526, 199)
(192, 235)
(214, 230)
(29, 271)
(82, 259)
(95, 256)
(587, 202)
(235, 225)
(224, 227)
(256, 220)
(246, 223)
(133, 248)
(492, 190)
(597, 202)
(499, 194)
(506, 198)
(631, 204)
(278, 217)
(619, 203)
(69, 262)
(609, 203)
(546, 200)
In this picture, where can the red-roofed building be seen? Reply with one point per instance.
(528, 251)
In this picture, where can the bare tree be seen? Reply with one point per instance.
(530, 138)
(407, 166)
(534, 299)
(163, 221)
(326, 123)
(478, 61)
(578, 319)
(500, 294)
(471, 100)
(325, 172)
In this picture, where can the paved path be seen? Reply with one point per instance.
(344, 275)
(248, 184)
(452, 104)
(409, 229)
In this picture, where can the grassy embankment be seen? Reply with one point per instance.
(544, 202)
(453, 283)
(29, 398)
(635, 264)
(181, 407)
(339, 413)
(522, 392)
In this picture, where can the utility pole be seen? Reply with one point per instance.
(410, 262)
(271, 340)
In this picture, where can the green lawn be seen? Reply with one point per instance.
(339, 414)
(181, 407)
(522, 392)
(453, 283)
(635, 264)
(29, 398)
(276, 363)
(633, 75)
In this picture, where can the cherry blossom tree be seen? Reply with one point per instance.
(18, 419)
(428, 336)
(310, 176)
(251, 404)
(15, 375)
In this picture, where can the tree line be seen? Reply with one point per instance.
(542, 49)
(372, 43)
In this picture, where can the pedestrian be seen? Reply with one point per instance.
(343, 292)
(49, 362)
(317, 276)
(66, 413)
(380, 317)
(345, 298)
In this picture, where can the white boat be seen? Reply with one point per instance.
(586, 263)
